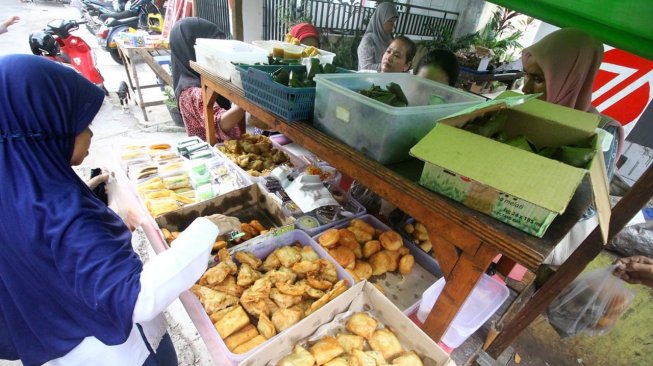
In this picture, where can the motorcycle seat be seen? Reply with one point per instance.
(133, 21)
(118, 15)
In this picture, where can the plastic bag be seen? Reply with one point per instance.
(591, 304)
(124, 203)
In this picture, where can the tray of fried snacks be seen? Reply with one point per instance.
(256, 154)
(255, 292)
(362, 327)
(416, 235)
(370, 250)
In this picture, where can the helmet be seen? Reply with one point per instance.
(43, 43)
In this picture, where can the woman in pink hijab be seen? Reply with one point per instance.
(562, 66)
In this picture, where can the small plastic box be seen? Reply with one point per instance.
(485, 300)
(379, 131)
(218, 55)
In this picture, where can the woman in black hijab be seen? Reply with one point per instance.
(186, 82)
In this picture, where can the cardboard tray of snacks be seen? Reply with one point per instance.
(247, 203)
(262, 250)
(520, 188)
(363, 297)
(403, 291)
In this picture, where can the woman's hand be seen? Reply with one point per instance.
(98, 179)
(637, 270)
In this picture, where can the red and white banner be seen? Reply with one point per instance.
(623, 87)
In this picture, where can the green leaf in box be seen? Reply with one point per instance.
(518, 187)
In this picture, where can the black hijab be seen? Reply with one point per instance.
(182, 48)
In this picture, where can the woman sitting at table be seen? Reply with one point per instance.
(186, 82)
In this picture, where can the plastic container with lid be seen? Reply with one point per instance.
(218, 55)
(485, 300)
(379, 131)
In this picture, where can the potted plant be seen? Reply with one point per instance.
(173, 108)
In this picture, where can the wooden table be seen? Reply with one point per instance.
(128, 54)
(464, 241)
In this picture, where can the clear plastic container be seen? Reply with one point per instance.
(218, 55)
(485, 300)
(377, 130)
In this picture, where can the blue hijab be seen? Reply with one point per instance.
(67, 269)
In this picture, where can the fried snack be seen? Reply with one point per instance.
(266, 327)
(221, 313)
(213, 300)
(270, 263)
(303, 267)
(377, 357)
(285, 318)
(403, 250)
(288, 256)
(363, 270)
(243, 335)
(257, 225)
(394, 264)
(231, 322)
(358, 252)
(249, 229)
(338, 361)
(408, 359)
(360, 358)
(248, 258)
(318, 304)
(257, 308)
(382, 262)
(247, 346)
(329, 238)
(220, 244)
(258, 291)
(426, 245)
(281, 275)
(247, 275)
(409, 228)
(313, 292)
(317, 283)
(325, 350)
(289, 289)
(363, 225)
(327, 270)
(362, 324)
(361, 235)
(391, 240)
(350, 342)
(308, 254)
(343, 255)
(282, 300)
(406, 264)
(228, 286)
(384, 341)
(340, 287)
(347, 239)
(371, 247)
(353, 275)
(299, 357)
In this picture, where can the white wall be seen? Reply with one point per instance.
(252, 20)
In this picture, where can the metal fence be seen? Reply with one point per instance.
(216, 11)
(332, 17)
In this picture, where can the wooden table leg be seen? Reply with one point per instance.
(209, 97)
(133, 75)
(460, 283)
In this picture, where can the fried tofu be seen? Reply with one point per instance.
(384, 341)
(232, 322)
(362, 324)
(325, 350)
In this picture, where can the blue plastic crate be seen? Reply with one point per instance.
(292, 104)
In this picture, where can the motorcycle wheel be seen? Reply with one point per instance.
(115, 55)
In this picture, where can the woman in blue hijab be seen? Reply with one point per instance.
(72, 290)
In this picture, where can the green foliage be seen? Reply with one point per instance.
(499, 35)
(289, 15)
(345, 48)
(170, 100)
(443, 39)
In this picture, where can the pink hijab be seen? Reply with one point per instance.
(570, 60)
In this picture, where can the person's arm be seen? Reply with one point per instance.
(7, 22)
(170, 273)
(228, 119)
(366, 57)
(637, 269)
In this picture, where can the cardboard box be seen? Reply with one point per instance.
(362, 297)
(520, 188)
(250, 200)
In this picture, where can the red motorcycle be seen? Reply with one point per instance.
(58, 44)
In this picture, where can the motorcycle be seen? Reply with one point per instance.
(56, 43)
(92, 10)
(113, 26)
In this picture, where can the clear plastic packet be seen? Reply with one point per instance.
(123, 202)
(591, 304)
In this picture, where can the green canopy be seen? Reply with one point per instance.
(624, 24)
